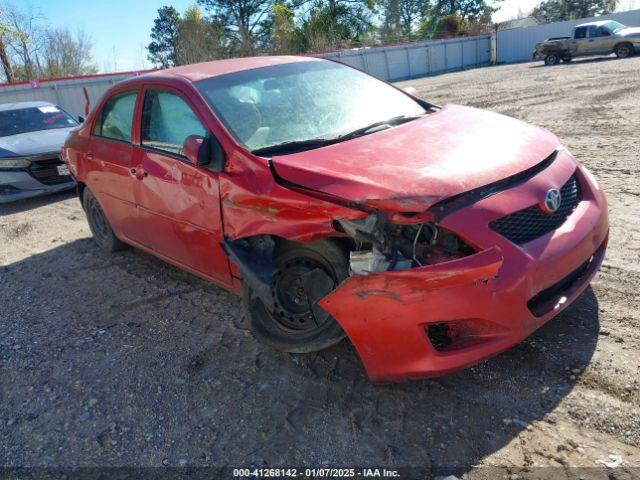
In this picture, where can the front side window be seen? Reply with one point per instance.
(594, 31)
(116, 117)
(167, 121)
(302, 101)
(33, 119)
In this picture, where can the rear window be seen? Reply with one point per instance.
(33, 119)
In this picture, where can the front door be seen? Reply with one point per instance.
(179, 203)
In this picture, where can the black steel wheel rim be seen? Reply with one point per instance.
(291, 301)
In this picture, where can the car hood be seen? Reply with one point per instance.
(33, 143)
(630, 32)
(413, 166)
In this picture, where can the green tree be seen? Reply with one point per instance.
(560, 10)
(248, 23)
(450, 17)
(400, 17)
(163, 49)
(199, 39)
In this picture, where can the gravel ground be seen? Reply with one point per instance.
(123, 360)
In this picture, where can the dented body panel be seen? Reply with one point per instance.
(412, 166)
(483, 296)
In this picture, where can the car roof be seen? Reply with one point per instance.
(18, 105)
(201, 71)
(596, 24)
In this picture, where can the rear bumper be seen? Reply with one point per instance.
(486, 301)
(20, 185)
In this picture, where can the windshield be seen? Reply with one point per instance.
(614, 27)
(13, 122)
(301, 101)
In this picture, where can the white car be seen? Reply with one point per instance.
(31, 136)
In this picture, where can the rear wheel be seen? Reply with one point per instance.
(552, 59)
(624, 50)
(289, 320)
(98, 223)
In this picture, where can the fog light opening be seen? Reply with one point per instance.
(440, 336)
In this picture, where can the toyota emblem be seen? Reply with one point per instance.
(552, 201)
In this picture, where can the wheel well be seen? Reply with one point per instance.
(80, 189)
(626, 42)
(255, 256)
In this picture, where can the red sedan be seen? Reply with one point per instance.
(340, 206)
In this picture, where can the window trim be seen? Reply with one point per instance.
(98, 117)
(177, 93)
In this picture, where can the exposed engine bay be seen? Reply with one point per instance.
(380, 246)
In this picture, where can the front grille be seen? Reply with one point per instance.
(528, 224)
(46, 171)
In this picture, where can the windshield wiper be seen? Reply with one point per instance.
(300, 145)
(294, 146)
(377, 126)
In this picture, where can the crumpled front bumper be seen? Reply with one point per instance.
(482, 298)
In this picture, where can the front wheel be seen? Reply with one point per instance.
(98, 223)
(289, 319)
(624, 50)
(552, 59)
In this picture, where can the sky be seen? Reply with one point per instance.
(119, 29)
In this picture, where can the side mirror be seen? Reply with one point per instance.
(411, 92)
(204, 151)
(81, 119)
(191, 148)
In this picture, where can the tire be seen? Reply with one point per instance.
(99, 225)
(624, 50)
(552, 59)
(287, 323)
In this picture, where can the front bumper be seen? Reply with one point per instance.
(20, 184)
(483, 299)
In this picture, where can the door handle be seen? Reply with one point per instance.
(89, 155)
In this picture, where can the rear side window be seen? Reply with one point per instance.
(167, 121)
(581, 32)
(116, 117)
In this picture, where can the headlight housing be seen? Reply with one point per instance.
(14, 162)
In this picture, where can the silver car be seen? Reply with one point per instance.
(31, 135)
(594, 38)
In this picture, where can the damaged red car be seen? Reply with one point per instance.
(338, 205)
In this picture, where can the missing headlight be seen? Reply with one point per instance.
(380, 246)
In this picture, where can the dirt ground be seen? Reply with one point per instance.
(122, 360)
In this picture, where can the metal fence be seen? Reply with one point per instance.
(71, 93)
(516, 45)
(401, 62)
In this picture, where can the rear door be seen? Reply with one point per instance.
(110, 160)
(179, 203)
